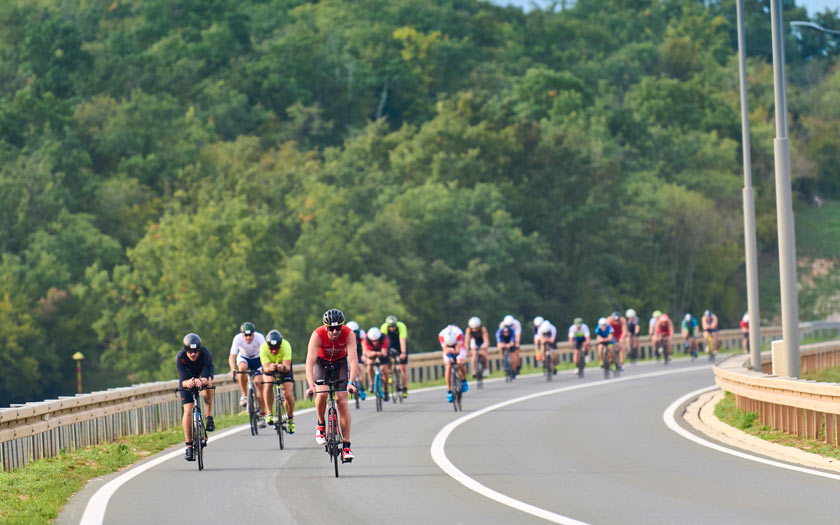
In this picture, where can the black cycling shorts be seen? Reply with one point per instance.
(396, 358)
(337, 370)
(283, 377)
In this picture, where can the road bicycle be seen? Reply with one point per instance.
(479, 371)
(633, 344)
(253, 401)
(690, 346)
(581, 356)
(710, 344)
(455, 378)
(510, 373)
(335, 440)
(548, 362)
(610, 359)
(358, 395)
(664, 342)
(396, 376)
(199, 435)
(377, 386)
(281, 417)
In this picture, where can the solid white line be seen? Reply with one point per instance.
(95, 509)
(670, 420)
(439, 443)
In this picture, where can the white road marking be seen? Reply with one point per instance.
(670, 420)
(439, 443)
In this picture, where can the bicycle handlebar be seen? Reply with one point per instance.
(199, 388)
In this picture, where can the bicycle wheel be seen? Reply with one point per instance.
(547, 366)
(377, 391)
(479, 373)
(615, 360)
(356, 395)
(198, 450)
(253, 415)
(280, 421)
(397, 388)
(333, 446)
(456, 389)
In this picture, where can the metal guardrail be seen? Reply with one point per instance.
(796, 406)
(43, 429)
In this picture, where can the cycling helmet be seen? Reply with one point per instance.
(374, 334)
(630, 313)
(746, 317)
(274, 339)
(602, 321)
(333, 317)
(508, 320)
(707, 313)
(353, 325)
(391, 320)
(450, 336)
(545, 327)
(616, 315)
(664, 317)
(538, 320)
(657, 313)
(192, 342)
(688, 317)
(247, 328)
(474, 322)
(578, 321)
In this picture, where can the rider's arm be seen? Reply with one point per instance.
(485, 337)
(311, 356)
(352, 357)
(208, 366)
(234, 351)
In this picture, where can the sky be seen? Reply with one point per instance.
(813, 6)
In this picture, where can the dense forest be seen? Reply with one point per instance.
(169, 166)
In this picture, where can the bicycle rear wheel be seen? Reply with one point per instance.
(547, 366)
(253, 415)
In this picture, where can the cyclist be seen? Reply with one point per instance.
(663, 331)
(332, 344)
(397, 334)
(516, 328)
(360, 336)
(478, 341)
(619, 326)
(745, 331)
(689, 334)
(547, 339)
(710, 328)
(244, 356)
(451, 340)
(604, 335)
(276, 359)
(633, 329)
(654, 340)
(376, 353)
(579, 338)
(538, 320)
(506, 342)
(195, 368)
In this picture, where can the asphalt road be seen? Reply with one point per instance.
(598, 455)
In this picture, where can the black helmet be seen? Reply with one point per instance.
(616, 315)
(192, 342)
(274, 339)
(333, 317)
(247, 328)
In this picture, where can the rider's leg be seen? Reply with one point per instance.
(260, 396)
(462, 366)
(186, 422)
(514, 360)
(448, 375)
(208, 399)
(344, 414)
(404, 372)
(242, 366)
(321, 405)
(289, 398)
(385, 370)
(268, 393)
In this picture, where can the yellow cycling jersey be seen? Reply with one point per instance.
(285, 353)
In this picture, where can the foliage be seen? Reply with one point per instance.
(168, 167)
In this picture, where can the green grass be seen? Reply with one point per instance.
(748, 422)
(828, 375)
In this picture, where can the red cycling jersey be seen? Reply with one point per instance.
(663, 328)
(371, 347)
(617, 329)
(333, 350)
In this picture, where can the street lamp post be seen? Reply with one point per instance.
(750, 244)
(78, 358)
(786, 359)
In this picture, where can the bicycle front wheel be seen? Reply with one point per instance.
(280, 423)
(198, 436)
(253, 414)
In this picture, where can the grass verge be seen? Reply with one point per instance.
(748, 422)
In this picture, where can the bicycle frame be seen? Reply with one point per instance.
(199, 436)
(253, 401)
(335, 439)
(455, 382)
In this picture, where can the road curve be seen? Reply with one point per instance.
(599, 454)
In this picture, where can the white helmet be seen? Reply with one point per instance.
(508, 320)
(450, 336)
(353, 325)
(602, 321)
(630, 313)
(688, 317)
(538, 321)
(373, 334)
(545, 327)
(474, 322)
(746, 317)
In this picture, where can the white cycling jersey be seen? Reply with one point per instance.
(245, 350)
(552, 333)
(583, 331)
